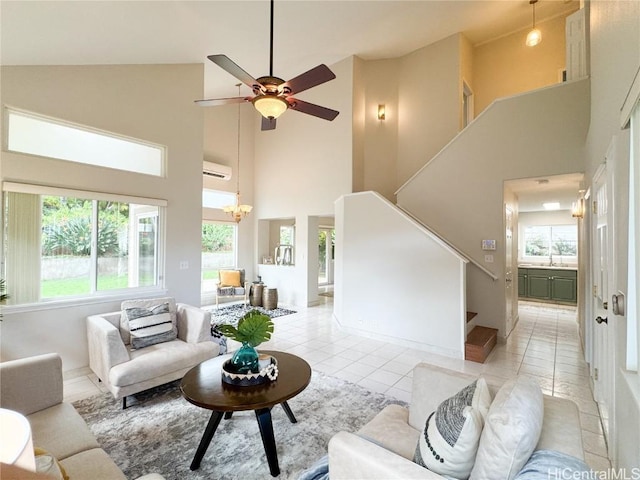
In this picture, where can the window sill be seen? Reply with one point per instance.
(78, 302)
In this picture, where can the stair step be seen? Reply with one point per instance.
(471, 316)
(479, 344)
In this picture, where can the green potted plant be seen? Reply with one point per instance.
(253, 329)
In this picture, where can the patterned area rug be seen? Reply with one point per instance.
(160, 431)
(232, 313)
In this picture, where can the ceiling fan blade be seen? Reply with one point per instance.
(308, 79)
(268, 124)
(231, 67)
(214, 102)
(312, 109)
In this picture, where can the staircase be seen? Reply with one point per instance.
(426, 249)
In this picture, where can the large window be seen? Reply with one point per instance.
(38, 135)
(62, 243)
(219, 248)
(556, 243)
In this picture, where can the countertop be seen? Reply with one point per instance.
(547, 267)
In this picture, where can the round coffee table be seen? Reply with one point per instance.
(202, 386)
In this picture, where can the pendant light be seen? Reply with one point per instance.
(534, 37)
(238, 211)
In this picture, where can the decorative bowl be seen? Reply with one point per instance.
(268, 373)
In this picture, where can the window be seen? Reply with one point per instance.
(553, 242)
(64, 244)
(218, 252)
(38, 135)
(217, 199)
(287, 234)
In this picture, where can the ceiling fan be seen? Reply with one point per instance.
(272, 95)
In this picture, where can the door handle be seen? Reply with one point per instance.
(601, 320)
(507, 279)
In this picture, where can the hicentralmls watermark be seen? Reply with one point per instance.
(608, 474)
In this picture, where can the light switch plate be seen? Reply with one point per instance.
(488, 258)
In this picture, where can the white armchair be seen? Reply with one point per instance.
(384, 448)
(125, 371)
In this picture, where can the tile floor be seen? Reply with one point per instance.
(543, 345)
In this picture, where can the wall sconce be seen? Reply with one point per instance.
(577, 207)
(381, 112)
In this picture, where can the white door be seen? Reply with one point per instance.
(576, 53)
(509, 291)
(602, 368)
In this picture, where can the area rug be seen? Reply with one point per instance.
(232, 313)
(160, 431)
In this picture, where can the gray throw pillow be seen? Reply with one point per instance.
(150, 326)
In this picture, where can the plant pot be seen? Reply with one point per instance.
(245, 360)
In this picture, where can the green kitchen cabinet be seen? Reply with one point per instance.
(547, 284)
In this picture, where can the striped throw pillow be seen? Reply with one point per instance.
(150, 326)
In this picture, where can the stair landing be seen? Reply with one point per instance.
(479, 344)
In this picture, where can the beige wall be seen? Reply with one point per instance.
(506, 66)
(460, 193)
(147, 102)
(615, 59)
(381, 136)
(428, 109)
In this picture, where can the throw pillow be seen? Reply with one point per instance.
(146, 303)
(49, 465)
(511, 431)
(230, 278)
(450, 438)
(150, 326)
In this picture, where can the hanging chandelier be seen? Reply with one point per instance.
(238, 211)
(534, 37)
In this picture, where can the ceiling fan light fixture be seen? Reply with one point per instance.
(270, 106)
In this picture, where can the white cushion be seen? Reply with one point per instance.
(450, 438)
(511, 431)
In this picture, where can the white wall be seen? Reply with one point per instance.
(394, 280)
(220, 134)
(502, 144)
(615, 59)
(148, 102)
(301, 168)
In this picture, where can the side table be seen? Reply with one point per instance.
(256, 294)
(270, 298)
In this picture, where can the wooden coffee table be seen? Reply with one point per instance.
(202, 386)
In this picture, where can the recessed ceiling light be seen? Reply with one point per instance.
(551, 206)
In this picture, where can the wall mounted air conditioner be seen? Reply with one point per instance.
(216, 170)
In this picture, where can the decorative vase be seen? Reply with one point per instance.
(245, 360)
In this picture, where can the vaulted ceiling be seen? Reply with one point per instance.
(307, 32)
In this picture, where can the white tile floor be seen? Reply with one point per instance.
(544, 345)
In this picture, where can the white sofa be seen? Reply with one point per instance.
(125, 371)
(33, 386)
(384, 448)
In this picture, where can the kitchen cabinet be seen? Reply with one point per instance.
(548, 284)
